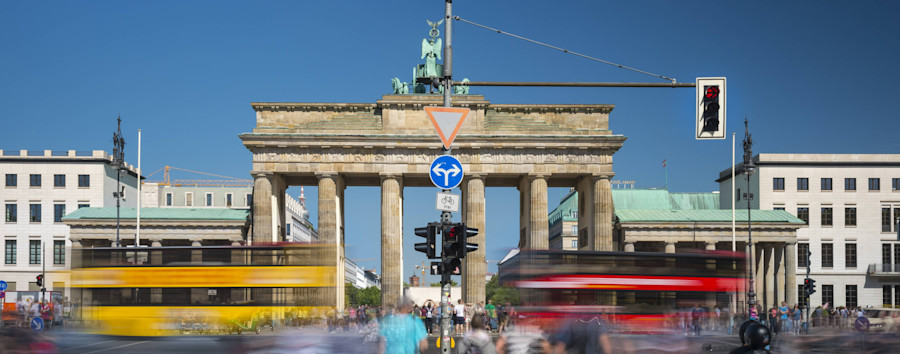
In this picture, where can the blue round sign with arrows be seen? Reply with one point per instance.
(446, 172)
(37, 324)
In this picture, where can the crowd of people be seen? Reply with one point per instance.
(54, 313)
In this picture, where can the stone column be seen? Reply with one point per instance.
(262, 207)
(156, 259)
(770, 275)
(595, 213)
(629, 246)
(711, 246)
(670, 246)
(474, 268)
(534, 199)
(779, 274)
(198, 294)
(790, 278)
(329, 184)
(391, 239)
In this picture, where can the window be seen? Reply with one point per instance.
(777, 184)
(886, 256)
(851, 295)
(574, 230)
(802, 254)
(874, 184)
(826, 184)
(249, 199)
(168, 199)
(228, 200)
(574, 214)
(188, 199)
(803, 184)
(895, 184)
(897, 256)
(35, 180)
(287, 229)
(83, 206)
(803, 214)
(34, 252)
(10, 252)
(850, 216)
(209, 199)
(886, 219)
(827, 255)
(59, 210)
(778, 208)
(828, 295)
(12, 212)
(575, 244)
(84, 181)
(850, 255)
(737, 195)
(12, 180)
(35, 211)
(827, 216)
(800, 298)
(59, 252)
(849, 184)
(886, 296)
(59, 180)
(897, 297)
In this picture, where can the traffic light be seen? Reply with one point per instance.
(465, 246)
(40, 280)
(429, 233)
(710, 108)
(452, 234)
(809, 285)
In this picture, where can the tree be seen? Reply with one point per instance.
(452, 283)
(370, 296)
(500, 294)
(351, 295)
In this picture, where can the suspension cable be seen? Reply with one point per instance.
(565, 50)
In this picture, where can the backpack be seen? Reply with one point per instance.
(472, 347)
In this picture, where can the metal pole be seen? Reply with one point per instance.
(118, 198)
(733, 306)
(446, 216)
(137, 235)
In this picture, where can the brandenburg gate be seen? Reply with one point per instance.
(391, 143)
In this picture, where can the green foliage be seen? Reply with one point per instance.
(354, 296)
(452, 283)
(500, 294)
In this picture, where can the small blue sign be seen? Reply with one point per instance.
(37, 324)
(446, 172)
(3, 285)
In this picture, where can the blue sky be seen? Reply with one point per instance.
(814, 77)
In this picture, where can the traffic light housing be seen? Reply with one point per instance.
(465, 246)
(452, 234)
(40, 280)
(810, 286)
(710, 108)
(430, 234)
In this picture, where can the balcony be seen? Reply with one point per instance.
(884, 270)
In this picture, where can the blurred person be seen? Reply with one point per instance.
(527, 338)
(503, 317)
(403, 332)
(697, 313)
(478, 340)
(21, 309)
(470, 311)
(492, 317)
(784, 313)
(796, 318)
(459, 312)
(582, 335)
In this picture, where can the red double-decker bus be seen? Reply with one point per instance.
(636, 291)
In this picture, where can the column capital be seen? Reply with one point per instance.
(536, 175)
(474, 175)
(390, 175)
(326, 174)
(595, 177)
(265, 174)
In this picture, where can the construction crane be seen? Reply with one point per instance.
(227, 182)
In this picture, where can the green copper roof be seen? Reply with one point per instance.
(160, 214)
(720, 215)
(661, 199)
(563, 211)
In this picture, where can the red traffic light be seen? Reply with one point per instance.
(453, 233)
(712, 92)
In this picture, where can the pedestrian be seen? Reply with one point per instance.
(477, 340)
(582, 335)
(785, 313)
(503, 317)
(491, 311)
(470, 311)
(403, 332)
(459, 312)
(428, 315)
(696, 317)
(797, 318)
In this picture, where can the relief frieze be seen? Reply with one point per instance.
(422, 156)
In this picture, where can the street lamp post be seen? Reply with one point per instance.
(118, 163)
(748, 170)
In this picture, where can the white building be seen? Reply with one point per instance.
(359, 276)
(298, 227)
(40, 187)
(851, 204)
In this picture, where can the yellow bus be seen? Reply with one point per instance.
(165, 291)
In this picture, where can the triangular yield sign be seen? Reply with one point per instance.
(447, 121)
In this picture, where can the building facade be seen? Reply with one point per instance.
(40, 188)
(850, 204)
(564, 224)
